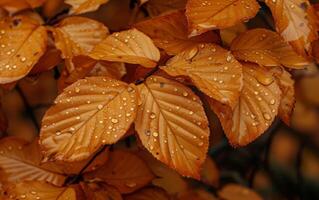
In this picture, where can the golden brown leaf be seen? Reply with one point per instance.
(88, 114)
(212, 69)
(23, 42)
(78, 35)
(100, 191)
(210, 172)
(149, 193)
(204, 15)
(237, 192)
(266, 48)
(172, 125)
(125, 171)
(169, 32)
(256, 109)
(229, 34)
(294, 21)
(157, 7)
(83, 6)
(131, 46)
(15, 6)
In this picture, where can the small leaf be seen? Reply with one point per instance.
(169, 32)
(23, 41)
(125, 171)
(212, 69)
(210, 172)
(266, 48)
(78, 35)
(204, 15)
(157, 7)
(257, 107)
(84, 6)
(172, 125)
(100, 191)
(237, 192)
(88, 114)
(295, 21)
(153, 193)
(131, 46)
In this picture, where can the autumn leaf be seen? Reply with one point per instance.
(257, 107)
(100, 191)
(295, 21)
(169, 32)
(204, 15)
(266, 48)
(212, 69)
(149, 193)
(198, 194)
(157, 7)
(23, 42)
(237, 192)
(131, 46)
(78, 35)
(84, 6)
(125, 171)
(15, 6)
(210, 172)
(172, 125)
(88, 114)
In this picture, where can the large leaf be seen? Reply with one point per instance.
(23, 41)
(213, 70)
(172, 125)
(169, 32)
(83, 6)
(131, 46)
(266, 48)
(295, 21)
(78, 35)
(149, 193)
(88, 114)
(256, 109)
(204, 15)
(125, 171)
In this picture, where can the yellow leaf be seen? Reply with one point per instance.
(131, 46)
(20, 161)
(237, 192)
(157, 7)
(83, 6)
(78, 35)
(294, 21)
(266, 48)
(23, 42)
(172, 125)
(257, 107)
(153, 193)
(212, 69)
(125, 171)
(100, 191)
(204, 15)
(88, 114)
(169, 32)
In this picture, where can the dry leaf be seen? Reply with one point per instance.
(237, 192)
(15, 6)
(157, 7)
(131, 46)
(23, 42)
(198, 194)
(257, 107)
(88, 114)
(100, 191)
(210, 172)
(204, 15)
(78, 35)
(84, 6)
(294, 21)
(266, 48)
(169, 32)
(229, 34)
(20, 161)
(172, 125)
(212, 69)
(125, 171)
(148, 193)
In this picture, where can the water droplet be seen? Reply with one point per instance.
(229, 58)
(192, 53)
(191, 112)
(100, 106)
(155, 134)
(152, 115)
(200, 144)
(58, 133)
(264, 79)
(185, 94)
(130, 184)
(23, 59)
(23, 196)
(77, 90)
(267, 116)
(114, 121)
(272, 101)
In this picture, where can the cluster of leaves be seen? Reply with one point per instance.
(173, 64)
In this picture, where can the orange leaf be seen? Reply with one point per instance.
(88, 114)
(83, 6)
(131, 46)
(237, 192)
(257, 107)
(295, 21)
(100, 191)
(78, 35)
(212, 69)
(172, 125)
(157, 7)
(169, 32)
(15, 6)
(125, 171)
(204, 15)
(210, 172)
(266, 48)
(23, 42)
(149, 193)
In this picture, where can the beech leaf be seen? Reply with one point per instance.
(237, 192)
(84, 6)
(157, 7)
(149, 193)
(100, 191)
